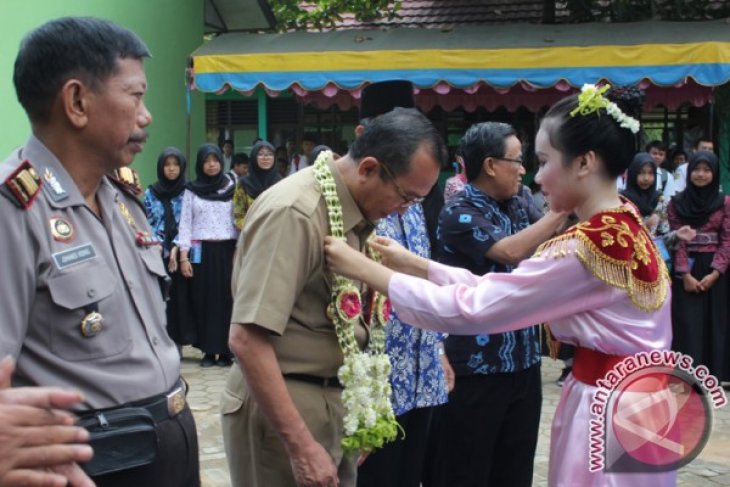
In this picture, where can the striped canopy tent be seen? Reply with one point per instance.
(517, 65)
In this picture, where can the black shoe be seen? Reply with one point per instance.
(208, 360)
(564, 375)
(224, 360)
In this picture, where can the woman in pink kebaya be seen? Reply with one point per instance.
(601, 286)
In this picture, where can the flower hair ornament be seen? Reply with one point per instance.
(592, 99)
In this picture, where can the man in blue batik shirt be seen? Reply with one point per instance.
(417, 376)
(490, 425)
(419, 368)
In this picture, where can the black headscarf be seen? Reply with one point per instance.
(165, 190)
(214, 188)
(695, 205)
(647, 199)
(258, 180)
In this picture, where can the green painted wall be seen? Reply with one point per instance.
(171, 28)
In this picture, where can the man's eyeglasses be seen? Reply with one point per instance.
(407, 200)
(518, 162)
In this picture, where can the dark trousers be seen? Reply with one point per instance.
(399, 463)
(176, 464)
(489, 430)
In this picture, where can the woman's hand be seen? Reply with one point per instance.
(398, 258)
(341, 258)
(708, 281)
(186, 268)
(691, 285)
(686, 233)
(172, 265)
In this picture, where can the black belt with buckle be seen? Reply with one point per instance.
(165, 406)
(313, 379)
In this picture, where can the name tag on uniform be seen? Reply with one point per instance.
(74, 256)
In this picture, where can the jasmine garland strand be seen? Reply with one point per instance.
(365, 375)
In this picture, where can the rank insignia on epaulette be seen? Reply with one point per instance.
(130, 179)
(23, 185)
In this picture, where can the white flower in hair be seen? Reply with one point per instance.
(592, 99)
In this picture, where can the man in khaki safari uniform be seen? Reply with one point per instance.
(282, 414)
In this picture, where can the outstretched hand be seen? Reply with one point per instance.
(396, 257)
(39, 446)
(348, 262)
(341, 258)
(392, 254)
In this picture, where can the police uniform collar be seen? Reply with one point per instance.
(118, 191)
(107, 185)
(352, 217)
(58, 187)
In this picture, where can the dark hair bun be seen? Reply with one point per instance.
(629, 99)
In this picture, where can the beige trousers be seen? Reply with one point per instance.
(256, 454)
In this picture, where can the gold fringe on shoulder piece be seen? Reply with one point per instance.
(647, 296)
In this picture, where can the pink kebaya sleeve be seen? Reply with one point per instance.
(541, 289)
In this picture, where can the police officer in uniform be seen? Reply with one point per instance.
(83, 284)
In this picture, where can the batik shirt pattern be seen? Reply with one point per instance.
(468, 227)
(155, 212)
(417, 377)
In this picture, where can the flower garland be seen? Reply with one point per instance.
(365, 375)
(591, 100)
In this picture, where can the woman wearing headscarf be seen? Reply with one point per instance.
(163, 205)
(700, 310)
(641, 191)
(207, 240)
(652, 204)
(261, 175)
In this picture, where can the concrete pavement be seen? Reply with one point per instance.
(710, 469)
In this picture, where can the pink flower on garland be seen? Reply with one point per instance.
(384, 310)
(348, 304)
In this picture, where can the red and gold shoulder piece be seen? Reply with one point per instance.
(22, 186)
(128, 180)
(616, 248)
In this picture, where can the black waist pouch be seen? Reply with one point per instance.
(122, 439)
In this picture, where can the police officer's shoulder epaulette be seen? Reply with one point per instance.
(127, 180)
(22, 186)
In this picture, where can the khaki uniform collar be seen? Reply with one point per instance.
(352, 217)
